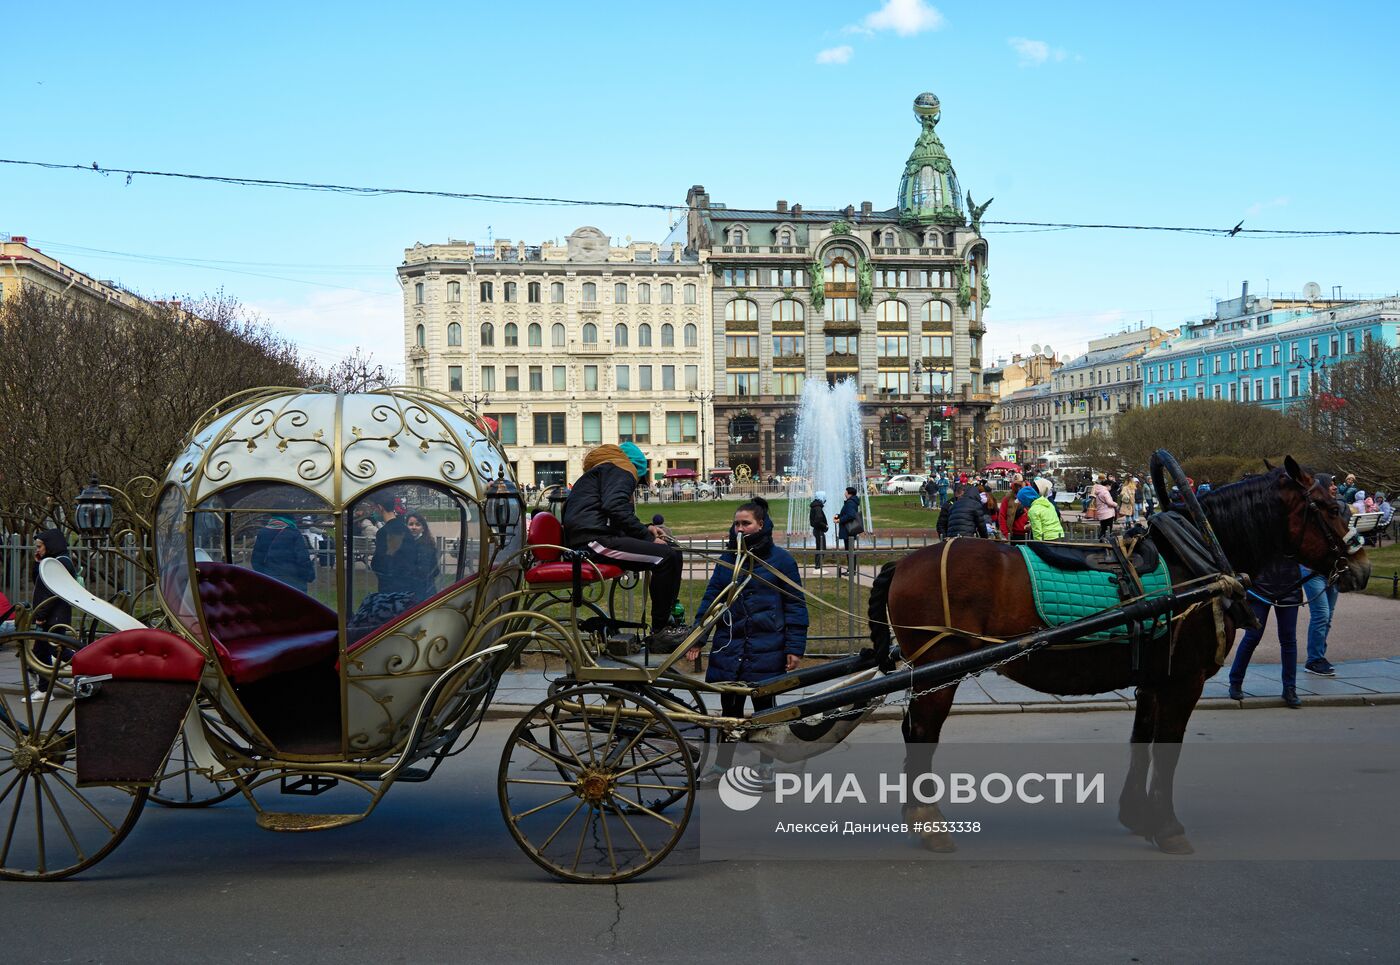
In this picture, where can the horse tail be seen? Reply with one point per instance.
(877, 611)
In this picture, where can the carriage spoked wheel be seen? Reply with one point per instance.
(181, 784)
(695, 738)
(579, 776)
(50, 827)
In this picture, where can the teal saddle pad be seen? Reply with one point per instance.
(1063, 596)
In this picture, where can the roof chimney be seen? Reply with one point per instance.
(797, 210)
(782, 206)
(866, 208)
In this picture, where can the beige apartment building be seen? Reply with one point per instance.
(1090, 392)
(1011, 428)
(567, 346)
(21, 263)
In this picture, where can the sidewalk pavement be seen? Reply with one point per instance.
(1358, 683)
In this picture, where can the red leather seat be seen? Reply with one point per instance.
(544, 538)
(260, 626)
(140, 654)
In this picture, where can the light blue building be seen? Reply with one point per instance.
(1264, 351)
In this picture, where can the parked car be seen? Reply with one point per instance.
(903, 484)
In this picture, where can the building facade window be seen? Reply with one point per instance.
(454, 291)
(692, 336)
(644, 378)
(622, 375)
(689, 292)
(643, 293)
(506, 423)
(592, 428)
(556, 292)
(536, 378)
(535, 335)
(668, 336)
(418, 293)
(590, 378)
(532, 293)
(681, 427)
(668, 378)
(488, 335)
(559, 375)
(644, 335)
(512, 378)
(590, 334)
(892, 310)
(420, 336)
(936, 312)
(668, 293)
(549, 429)
(488, 292)
(620, 335)
(620, 293)
(692, 378)
(488, 378)
(590, 292)
(454, 378)
(510, 290)
(741, 383)
(454, 334)
(634, 427)
(557, 335)
(741, 310)
(512, 335)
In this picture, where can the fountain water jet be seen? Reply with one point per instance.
(829, 454)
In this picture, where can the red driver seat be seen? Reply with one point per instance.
(544, 539)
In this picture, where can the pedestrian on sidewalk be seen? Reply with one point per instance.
(1102, 507)
(1042, 519)
(849, 525)
(1275, 588)
(816, 518)
(764, 634)
(1321, 594)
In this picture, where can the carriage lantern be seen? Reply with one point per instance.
(503, 507)
(92, 515)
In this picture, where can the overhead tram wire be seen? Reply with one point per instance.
(289, 185)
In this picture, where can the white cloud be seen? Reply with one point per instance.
(1035, 53)
(327, 326)
(904, 17)
(835, 55)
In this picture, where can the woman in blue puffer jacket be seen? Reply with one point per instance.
(765, 632)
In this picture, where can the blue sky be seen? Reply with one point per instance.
(1280, 114)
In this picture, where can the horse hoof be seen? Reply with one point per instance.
(939, 843)
(1174, 844)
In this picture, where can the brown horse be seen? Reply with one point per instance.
(1278, 514)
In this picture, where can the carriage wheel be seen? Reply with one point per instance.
(181, 785)
(576, 778)
(50, 827)
(697, 739)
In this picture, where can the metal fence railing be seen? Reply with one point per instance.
(101, 570)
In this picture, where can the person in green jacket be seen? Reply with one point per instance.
(1044, 520)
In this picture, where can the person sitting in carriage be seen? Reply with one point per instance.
(599, 518)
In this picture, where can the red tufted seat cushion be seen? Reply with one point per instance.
(260, 626)
(564, 572)
(141, 654)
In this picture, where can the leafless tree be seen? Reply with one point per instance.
(1355, 412)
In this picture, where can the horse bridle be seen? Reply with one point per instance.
(1344, 547)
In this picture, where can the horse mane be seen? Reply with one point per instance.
(1249, 519)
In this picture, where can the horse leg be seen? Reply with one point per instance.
(923, 722)
(1175, 703)
(1132, 799)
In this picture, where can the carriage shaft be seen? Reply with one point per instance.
(951, 668)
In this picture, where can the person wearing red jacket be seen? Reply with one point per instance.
(1012, 520)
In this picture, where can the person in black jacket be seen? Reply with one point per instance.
(599, 517)
(51, 614)
(966, 516)
(845, 522)
(816, 518)
(281, 551)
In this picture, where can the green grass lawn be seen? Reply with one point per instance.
(714, 516)
(1385, 562)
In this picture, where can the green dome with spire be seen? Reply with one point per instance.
(929, 190)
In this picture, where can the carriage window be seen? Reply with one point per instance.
(253, 543)
(411, 542)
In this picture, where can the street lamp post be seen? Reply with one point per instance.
(919, 373)
(704, 399)
(477, 401)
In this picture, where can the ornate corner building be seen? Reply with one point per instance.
(892, 299)
(565, 346)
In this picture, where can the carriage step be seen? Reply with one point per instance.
(274, 821)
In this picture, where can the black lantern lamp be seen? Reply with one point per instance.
(503, 507)
(92, 515)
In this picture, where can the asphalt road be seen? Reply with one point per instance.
(433, 876)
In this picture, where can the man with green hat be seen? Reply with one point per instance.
(599, 518)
